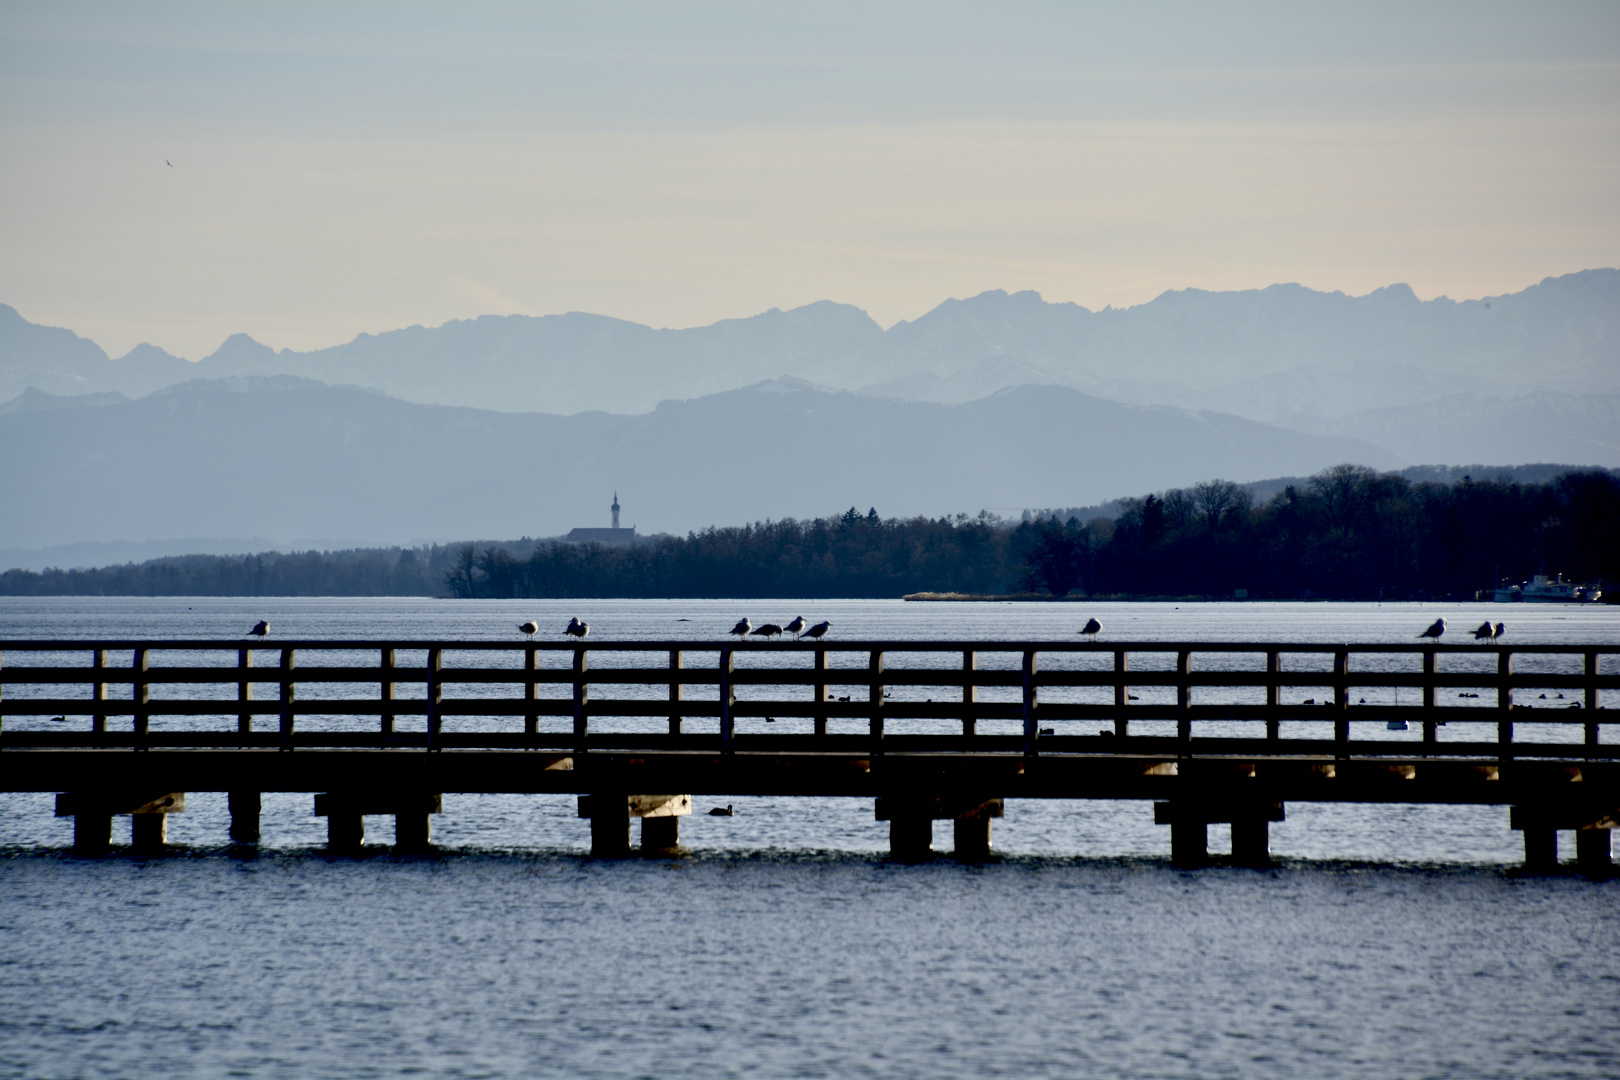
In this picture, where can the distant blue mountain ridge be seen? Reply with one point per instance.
(1284, 353)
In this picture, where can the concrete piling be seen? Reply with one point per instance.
(244, 807)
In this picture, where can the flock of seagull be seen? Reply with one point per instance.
(1485, 631)
(577, 628)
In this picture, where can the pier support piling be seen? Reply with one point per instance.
(911, 824)
(149, 833)
(660, 834)
(1593, 856)
(911, 838)
(345, 832)
(92, 814)
(1189, 823)
(345, 814)
(1189, 844)
(972, 838)
(244, 816)
(92, 834)
(610, 822)
(1541, 849)
(413, 830)
(1251, 842)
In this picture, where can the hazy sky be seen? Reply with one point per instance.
(364, 167)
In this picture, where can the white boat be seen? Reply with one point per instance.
(1542, 589)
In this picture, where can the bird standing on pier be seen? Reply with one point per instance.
(1091, 629)
(529, 629)
(742, 627)
(768, 631)
(1435, 630)
(577, 629)
(796, 627)
(1485, 632)
(260, 628)
(818, 631)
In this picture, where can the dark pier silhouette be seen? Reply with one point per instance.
(1207, 732)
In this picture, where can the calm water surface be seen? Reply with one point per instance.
(1390, 941)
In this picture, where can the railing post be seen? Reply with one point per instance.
(1184, 701)
(874, 698)
(728, 698)
(244, 693)
(531, 692)
(970, 692)
(1504, 703)
(98, 722)
(677, 689)
(435, 697)
(385, 722)
(1273, 695)
(1430, 727)
(1590, 704)
(1122, 694)
(141, 694)
(1031, 732)
(289, 693)
(581, 699)
(820, 689)
(1341, 702)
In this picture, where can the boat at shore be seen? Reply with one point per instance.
(1544, 590)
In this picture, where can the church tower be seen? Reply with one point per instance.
(615, 509)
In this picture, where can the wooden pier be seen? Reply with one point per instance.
(1207, 732)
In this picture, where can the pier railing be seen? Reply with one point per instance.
(870, 697)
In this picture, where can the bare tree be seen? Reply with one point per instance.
(1218, 501)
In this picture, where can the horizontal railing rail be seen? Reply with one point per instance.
(121, 677)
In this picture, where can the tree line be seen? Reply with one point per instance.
(1346, 533)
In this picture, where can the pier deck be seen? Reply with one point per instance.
(1209, 732)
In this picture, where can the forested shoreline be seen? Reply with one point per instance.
(1347, 533)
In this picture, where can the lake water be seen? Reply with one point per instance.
(1389, 941)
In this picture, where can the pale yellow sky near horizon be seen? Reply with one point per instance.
(358, 169)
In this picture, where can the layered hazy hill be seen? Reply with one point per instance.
(1284, 353)
(286, 458)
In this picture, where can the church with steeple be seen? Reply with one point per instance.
(614, 535)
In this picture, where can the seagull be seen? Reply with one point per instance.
(819, 630)
(1501, 628)
(577, 629)
(742, 627)
(530, 628)
(796, 627)
(1436, 630)
(1092, 629)
(768, 631)
(260, 628)
(1484, 633)
(169, 163)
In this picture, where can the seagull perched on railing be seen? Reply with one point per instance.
(742, 627)
(1435, 630)
(796, 627)
(1091, 629)
(530, 628)
(768, 631)
(819, 630)
(1485, 632)
(577, 629)
(260, 628)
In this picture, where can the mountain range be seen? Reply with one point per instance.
(507, 426)
(286, 457)
(1283, 354)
